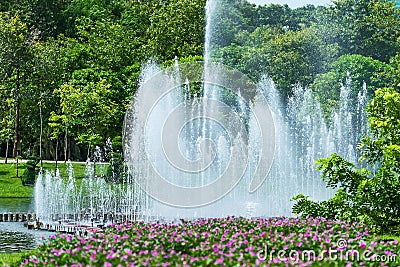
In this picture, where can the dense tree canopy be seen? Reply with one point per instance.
(55, 52)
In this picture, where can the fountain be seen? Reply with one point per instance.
(203, 140)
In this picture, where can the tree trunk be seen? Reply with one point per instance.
(17, 174)
(16, 124)
(56, 152)
(8, 135)
(65, 145)
(7, 145)
(41, 135)
(16, 128)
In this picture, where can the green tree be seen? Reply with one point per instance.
(46, 16)
(358, 68)
(48, 73)
(176, 29)
(391, 74)
(95, 10)
(108, 51)
(58, 125)
(289, 57)
(6, 122)
(88, 111)
(281, 16)
(274, 15)
(15, 63)
(369, 28)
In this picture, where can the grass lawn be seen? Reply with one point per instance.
(8, 259)
(79, 169)
(12, 187)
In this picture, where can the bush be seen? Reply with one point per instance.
(31, 170)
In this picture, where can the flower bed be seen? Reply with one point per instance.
(226, 242)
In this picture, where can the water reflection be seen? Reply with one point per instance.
(15, 241)
(16, 205)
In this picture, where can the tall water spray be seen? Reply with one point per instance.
(205, 141)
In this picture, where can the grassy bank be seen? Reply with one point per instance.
(9, 259)
(10, 186)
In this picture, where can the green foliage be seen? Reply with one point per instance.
(289, 57)
(83, 43)
(384, 120)
(88, 110)
(334, 208)
(371, 196)
(46, 16)
(391, 73)
(57, 124)
(296, 57)
(358, 68)
(15, 46)
(176, 29)
(369, 28)
(6, 122)
(31, 170)
(95, 10)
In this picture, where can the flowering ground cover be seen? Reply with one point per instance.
(226, 241)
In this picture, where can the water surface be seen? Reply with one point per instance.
(8, 204)
(15, 237)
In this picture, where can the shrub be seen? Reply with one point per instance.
(31, 170)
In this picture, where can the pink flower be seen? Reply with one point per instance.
(128, 251)
(219, 261)
(93, 256)
(276, 260)
(154, 253)
(111, 255)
